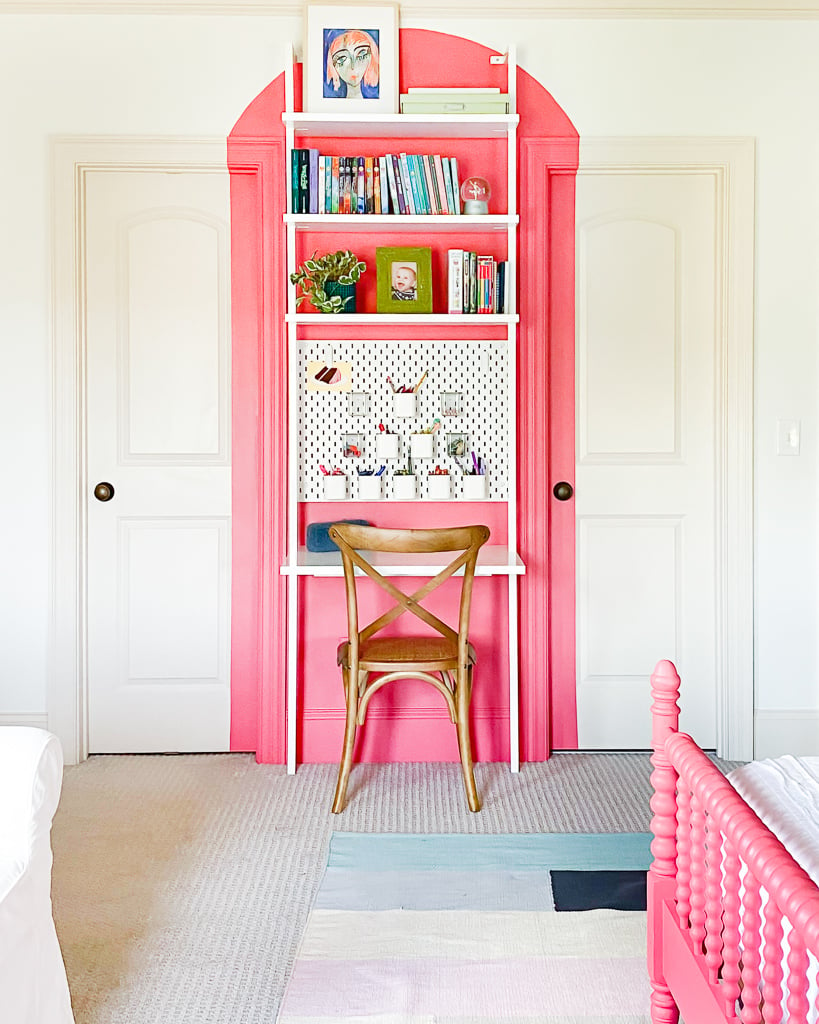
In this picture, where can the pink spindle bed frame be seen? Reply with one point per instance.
(729, 911)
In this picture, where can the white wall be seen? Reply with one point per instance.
(193, 75)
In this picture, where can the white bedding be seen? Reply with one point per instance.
(784, 792)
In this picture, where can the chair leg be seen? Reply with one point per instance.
(345, 765)
(462, 695)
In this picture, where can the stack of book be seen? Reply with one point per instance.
(476, 283)
(454, 101)
(402, 183)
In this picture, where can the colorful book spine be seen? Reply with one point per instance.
(313, 180)
(472, 277)
(294, 180)
(334, 172)
(376, 186)
(304, 182)
(486, 284)
(322, 176)
(430, 183)
(383, 185)
(415, 184)
(361, 186)
(403, 206)
(450, 199)
(409, 192)
(500, 287)
(349, 185)
(455, 280)
(369, 185)
(392, 184)
(440, 183)
(456, 185)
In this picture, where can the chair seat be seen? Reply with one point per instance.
(386, 652)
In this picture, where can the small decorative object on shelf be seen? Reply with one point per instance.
(404, 279)
(328, 282)
(475, 193)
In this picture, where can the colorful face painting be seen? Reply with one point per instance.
(351, 63)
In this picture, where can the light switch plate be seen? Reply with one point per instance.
(788, 437)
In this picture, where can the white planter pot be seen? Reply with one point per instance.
(386, 446)
(403, 487)
(405, 404)
(475, 487)
(421, 446)
(439, 486)
(369, 488)
(335, 487)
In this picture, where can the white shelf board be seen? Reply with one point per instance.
(385, 319)
(405, 501)
(404, 222)
(493, 560)
(471, 126)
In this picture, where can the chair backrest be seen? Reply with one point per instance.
(352, 540)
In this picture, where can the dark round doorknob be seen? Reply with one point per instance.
(563, 490)
(104, 491)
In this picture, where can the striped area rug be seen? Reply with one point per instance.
(471, 929)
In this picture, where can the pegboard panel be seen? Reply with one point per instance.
(474, 370)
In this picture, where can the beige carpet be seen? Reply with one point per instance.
(182, 883)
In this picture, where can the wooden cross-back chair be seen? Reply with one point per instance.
(444, 659)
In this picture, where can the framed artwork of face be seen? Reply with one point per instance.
(404, 279)
(351, 59)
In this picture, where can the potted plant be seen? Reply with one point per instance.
(329, 281)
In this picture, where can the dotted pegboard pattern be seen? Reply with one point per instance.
(478, 370)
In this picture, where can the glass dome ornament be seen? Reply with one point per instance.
(475, 193)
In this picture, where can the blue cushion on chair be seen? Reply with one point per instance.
(318, 534)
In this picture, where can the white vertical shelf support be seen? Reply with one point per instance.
(512, 377)
(292, 443)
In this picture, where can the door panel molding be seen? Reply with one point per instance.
(72, 158)
(730, 162)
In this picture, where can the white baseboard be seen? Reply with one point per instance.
(786, 732)
(34, 719)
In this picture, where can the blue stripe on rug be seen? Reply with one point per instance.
(540, 852)
(434, 889)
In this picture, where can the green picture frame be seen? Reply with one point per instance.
(404, 279)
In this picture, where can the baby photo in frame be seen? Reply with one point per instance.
(351, 58)
(404, 279)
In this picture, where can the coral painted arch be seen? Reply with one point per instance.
(547, 165)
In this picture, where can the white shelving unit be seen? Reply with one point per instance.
(496, 560)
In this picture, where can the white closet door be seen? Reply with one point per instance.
(158, 400)
(646, 442)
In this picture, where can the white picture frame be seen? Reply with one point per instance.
(350, 47)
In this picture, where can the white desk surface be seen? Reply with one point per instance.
(493, 560)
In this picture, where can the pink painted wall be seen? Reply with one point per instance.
(548, 162)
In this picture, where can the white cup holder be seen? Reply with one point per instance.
(439, 486)
(335, 487)
(369, 488)
(403, 487)
(421, 446)
(405, 403)
(386, 446)
(474, 487)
